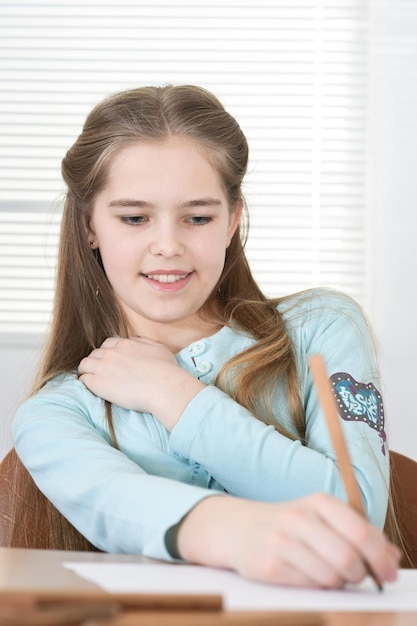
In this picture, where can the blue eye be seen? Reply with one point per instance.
(200, 220)
(133, 220)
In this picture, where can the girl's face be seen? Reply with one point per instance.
(162, 224)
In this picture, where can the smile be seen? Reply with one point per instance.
(166, 278)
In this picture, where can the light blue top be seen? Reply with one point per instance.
(125, 500)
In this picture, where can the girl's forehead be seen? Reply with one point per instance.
(171, 145)
(161, 157)
(175, 160)
(158, 171)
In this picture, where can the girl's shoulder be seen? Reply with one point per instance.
(317, 311)
(67, 383)
(318, 303)
(64, 390)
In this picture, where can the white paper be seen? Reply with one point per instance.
(241, 594)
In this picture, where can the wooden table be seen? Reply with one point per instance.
(31, 571)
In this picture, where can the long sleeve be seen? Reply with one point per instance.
(61, 437)
(250, 459)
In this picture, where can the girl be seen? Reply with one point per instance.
(174, 415)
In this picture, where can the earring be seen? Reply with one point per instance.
(92, 245)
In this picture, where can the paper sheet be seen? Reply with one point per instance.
(241, 594)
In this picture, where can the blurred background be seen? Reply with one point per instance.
(326, 92)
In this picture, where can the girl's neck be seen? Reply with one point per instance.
(178, 337)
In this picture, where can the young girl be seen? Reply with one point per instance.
(174, 414)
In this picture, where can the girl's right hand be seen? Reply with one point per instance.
(132, 373)
(316, 541)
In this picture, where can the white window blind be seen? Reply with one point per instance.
(293, 72)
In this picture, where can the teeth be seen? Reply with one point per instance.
(166, 278)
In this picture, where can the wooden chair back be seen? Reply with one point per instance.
(402, 529)
(38, 523)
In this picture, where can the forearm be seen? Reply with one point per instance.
(251, 460)
(112, 500)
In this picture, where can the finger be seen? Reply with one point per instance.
(277, 561)
(290, 575)
(88, 363)
(318, 550)
(329, 557)
(85, 379)
(282, 561)
(370, 543)
(376, 551)
(111, 342)
(93, 384)
(313, 568)
(82, 368)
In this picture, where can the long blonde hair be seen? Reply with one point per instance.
(81, 320)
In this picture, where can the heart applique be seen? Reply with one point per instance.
(359, 402)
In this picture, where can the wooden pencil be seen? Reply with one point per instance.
(328, 404)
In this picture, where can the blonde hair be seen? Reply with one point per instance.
(82, 321)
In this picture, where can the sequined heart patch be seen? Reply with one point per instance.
(359, 402)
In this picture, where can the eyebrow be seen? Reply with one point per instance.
(142, 204)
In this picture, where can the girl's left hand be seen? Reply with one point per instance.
(316, 541)
(139, 374)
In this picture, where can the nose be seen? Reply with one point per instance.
(167, 242)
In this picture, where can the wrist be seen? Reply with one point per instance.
(177, 391)
(199, 538)
(213, 532)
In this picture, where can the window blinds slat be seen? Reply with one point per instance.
(293, 72)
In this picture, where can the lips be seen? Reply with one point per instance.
(167, 277)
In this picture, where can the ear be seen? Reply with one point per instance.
(90, 234)
(234, 219)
